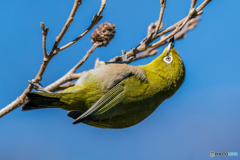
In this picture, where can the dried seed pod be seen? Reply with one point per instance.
(103, 34)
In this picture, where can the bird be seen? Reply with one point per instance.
(117, 95)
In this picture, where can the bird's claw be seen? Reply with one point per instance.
(38, 86)
(125, 59)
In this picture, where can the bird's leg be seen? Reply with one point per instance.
(124, 59)
(38, 87)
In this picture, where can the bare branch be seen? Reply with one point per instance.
(190, 15)
(189, 26)
(89, 52)
(75, 76)
(180, 35)
(47, 58)
(193, 4)
(54, 50)
(65, 86)
(171, 28)
(147, 53)
(44, 33)
(203, 5)
(95, 21)
(163, 5)
(176, 27)
(102, 7)
(69, 75)
(16, 103)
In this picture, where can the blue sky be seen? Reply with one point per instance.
(202, 116)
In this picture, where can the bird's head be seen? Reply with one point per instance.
(169, 64)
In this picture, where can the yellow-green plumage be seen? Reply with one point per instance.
(121, 95)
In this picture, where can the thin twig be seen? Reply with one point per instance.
(193, 4)
(176, 27)
(44, 33)
(189, 26)
(203, 5)
(95, 21)
(89, 52)
(180, 35)
(171, 28)
(69, 75)
(147, 53)
(75, 76)
(47, 58)
(163, 5)
(102, 7)
(65, 86)
(54, 50)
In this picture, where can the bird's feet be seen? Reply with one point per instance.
(124, 59)
(38, 87)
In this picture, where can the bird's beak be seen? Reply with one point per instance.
(170, 45)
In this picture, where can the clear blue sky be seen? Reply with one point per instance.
(202, 116)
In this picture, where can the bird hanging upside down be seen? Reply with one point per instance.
(117, 95)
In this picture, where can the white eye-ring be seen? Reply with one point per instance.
(168, 59)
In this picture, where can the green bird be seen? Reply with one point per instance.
(117, 95)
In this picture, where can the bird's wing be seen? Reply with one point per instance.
(111, 74)
(108, 99)
(110, 77)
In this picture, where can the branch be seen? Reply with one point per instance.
(147, 53)
(163, 5)
(178, 28)
(47, 58)
(193, 4)
(188, 27)
(65, 86)
(102, 7)
(54, 50)
(150, 52)
(95, 21)
(171, 28)
(44, 33)
(143, 46)
(69, 76)
(180, 35)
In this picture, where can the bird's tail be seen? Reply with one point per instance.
(37, 101)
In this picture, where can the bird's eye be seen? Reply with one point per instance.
(168, 59)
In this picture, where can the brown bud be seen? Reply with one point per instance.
(162, 2)
(42, 25)
(103, 34)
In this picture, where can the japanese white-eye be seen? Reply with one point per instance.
(117, 95)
